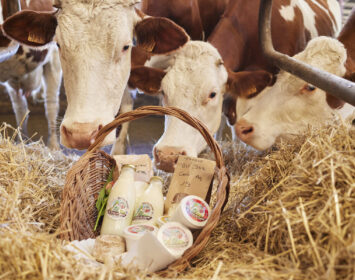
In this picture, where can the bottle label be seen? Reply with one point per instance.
(118, 208)
(196, 210)
(145, 212)
(175, 238)
(138, 229)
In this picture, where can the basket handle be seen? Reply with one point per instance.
(145, 111)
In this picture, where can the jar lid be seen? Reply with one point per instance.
(157, 178)
(175, 237)
(195, 210)
(129, 165)
(137, 231)
(163, 220)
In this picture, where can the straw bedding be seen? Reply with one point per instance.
(290, 213)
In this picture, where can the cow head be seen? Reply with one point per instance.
(95, 41)
(291, 104)
(193, 79)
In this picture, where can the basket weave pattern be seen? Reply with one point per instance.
(88, 175)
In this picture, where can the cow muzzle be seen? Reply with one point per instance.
(165, 158)
(244, 131)
(79, 135)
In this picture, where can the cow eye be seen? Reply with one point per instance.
(309, 87)
(212, 95)
(126, 47)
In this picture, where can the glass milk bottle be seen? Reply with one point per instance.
(151, 204)
(120, 204)
(140, 189)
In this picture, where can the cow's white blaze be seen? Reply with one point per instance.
(92, 36)
(285, 108)
(195, 82)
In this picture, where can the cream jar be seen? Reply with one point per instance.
(175, 237)
(193, 212)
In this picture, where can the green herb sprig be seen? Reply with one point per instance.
(103, 198)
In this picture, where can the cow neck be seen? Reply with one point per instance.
(210, 13)
(229, 42)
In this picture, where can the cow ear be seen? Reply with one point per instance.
(146, 79)
(159, 35)
(31, 28)
(247, 84)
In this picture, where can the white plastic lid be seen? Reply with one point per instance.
(137, 231)
(195, 210)
(163, 220)
(175, 237)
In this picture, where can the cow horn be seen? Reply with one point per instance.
(12, 7)
(330, 83)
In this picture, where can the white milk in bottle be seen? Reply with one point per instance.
(141, 187)
(151, 204)
(120, 204)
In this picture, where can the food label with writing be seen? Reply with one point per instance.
(144, 212)
(118, 208)
(196, 210)
(140, 229)
(175, 237)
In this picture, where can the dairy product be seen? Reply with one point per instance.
(175, 237)
(119, 209)
(151, 204)
(163, 220)
(141, 187)
(193, 212)
(135, 232)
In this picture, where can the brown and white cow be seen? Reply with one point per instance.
(26, 70)
(291, 104)
(196, 77)
(95, 42)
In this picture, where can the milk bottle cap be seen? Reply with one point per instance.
(129, 165)
(157, 178)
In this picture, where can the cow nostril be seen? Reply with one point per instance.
(248, 130)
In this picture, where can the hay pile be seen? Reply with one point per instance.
(290, 214)
(31, 181)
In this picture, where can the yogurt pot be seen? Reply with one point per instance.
(163, 220)
(133, 233)
(175, 237)
(193, 212)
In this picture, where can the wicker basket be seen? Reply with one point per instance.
(88, 175)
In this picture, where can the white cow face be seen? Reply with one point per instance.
(95, 55)
(95, 41)
(195, 82)
(291, 105)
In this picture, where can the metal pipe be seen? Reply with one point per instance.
(332, 84)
